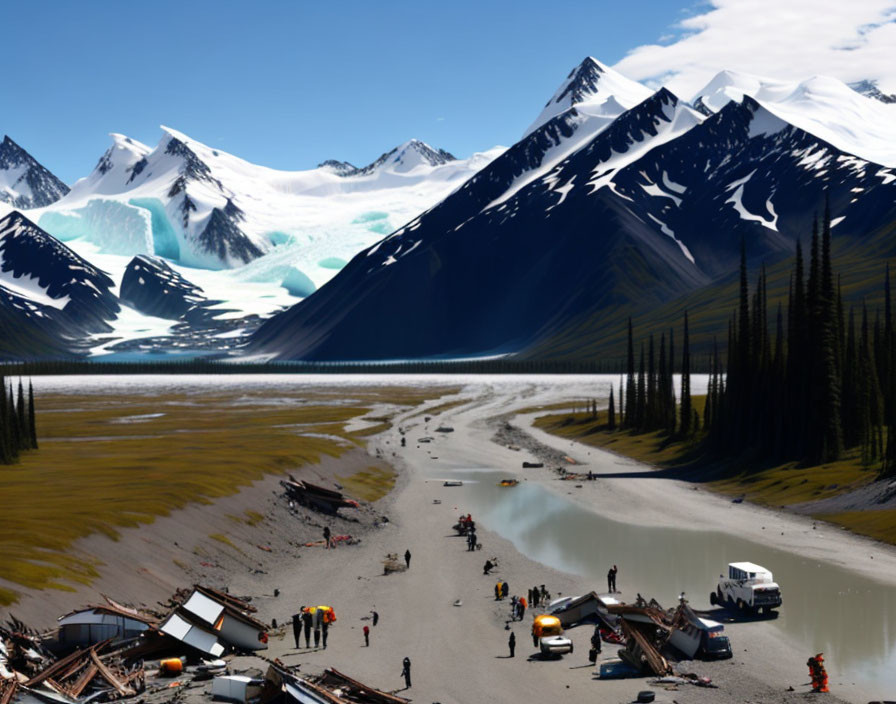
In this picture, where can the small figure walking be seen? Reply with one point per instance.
(376, 617)
(511, 643)
(297, 626)
(545, 596)
(306, 622)
(407, 562)
(327, 536)
(366, 636)
(406, 672)
(611, 579)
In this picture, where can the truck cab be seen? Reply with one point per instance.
(748, 587)
(547, 632)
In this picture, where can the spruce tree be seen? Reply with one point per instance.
(32, 426)
(630, 394)
(686, 408)
(611, 411)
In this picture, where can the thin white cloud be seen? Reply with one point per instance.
(851, 40)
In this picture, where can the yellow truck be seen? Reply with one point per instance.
(547, 636)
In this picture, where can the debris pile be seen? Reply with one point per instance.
(97, 653)
(316, 497)
(331, 687)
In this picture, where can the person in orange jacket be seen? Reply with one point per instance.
(818, 674)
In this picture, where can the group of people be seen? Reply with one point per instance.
(308, 620)
(517, 608)
(501, 590)
(539, 595)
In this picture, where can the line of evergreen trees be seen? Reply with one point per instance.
(822, 384)
(648, 401)
(18, 431)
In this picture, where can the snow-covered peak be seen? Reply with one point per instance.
(119, 165)
(589, 87)
(406, 157)
(340, 168)
(823, 106)
(24, 183)
(870, 90)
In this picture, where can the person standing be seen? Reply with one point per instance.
(511, 643)
(497, 591)
(306, 622)
(611, 579)
(366, 636)
(325, 630)
(407, 559)
(376, 617)
(505, 590)
(521, 604)
(406, 672)
(544, 596)
(327, 536)
(297, 626)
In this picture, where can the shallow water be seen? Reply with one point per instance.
(850, 618)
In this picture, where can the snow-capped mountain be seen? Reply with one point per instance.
(37, 267)
(631, 215)
(820, 105)
(204, 208)
(592, 88)
(24, 183)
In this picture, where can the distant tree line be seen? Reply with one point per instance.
(18, 431)
(648, 401)
(234, 366)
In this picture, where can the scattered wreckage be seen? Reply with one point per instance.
(96, 654)
(316, 497)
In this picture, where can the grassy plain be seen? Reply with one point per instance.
(113, 461)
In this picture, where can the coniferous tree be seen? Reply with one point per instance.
(641, 401)
(687, 421)
(32, 426)
(630, 394)
(611, 412)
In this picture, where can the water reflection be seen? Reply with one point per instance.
(847, 616)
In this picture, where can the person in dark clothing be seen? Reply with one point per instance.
(376, 617)
(325, 629)
(407, 558)
(511, 643)
(595, 640)
(297, 627)
(505, 590)
(367, 636)
(535, 597)
(327, 536)
(544, 596)
(406, 672)
(611, 579)
(488, 567)
(307, 618)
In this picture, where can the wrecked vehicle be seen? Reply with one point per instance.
(749, 588)
(547, 632)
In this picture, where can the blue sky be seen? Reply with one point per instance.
(289, 84)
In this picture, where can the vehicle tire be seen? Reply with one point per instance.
(646, 696)
(713, 599)
(730, 603)
(571, 646)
